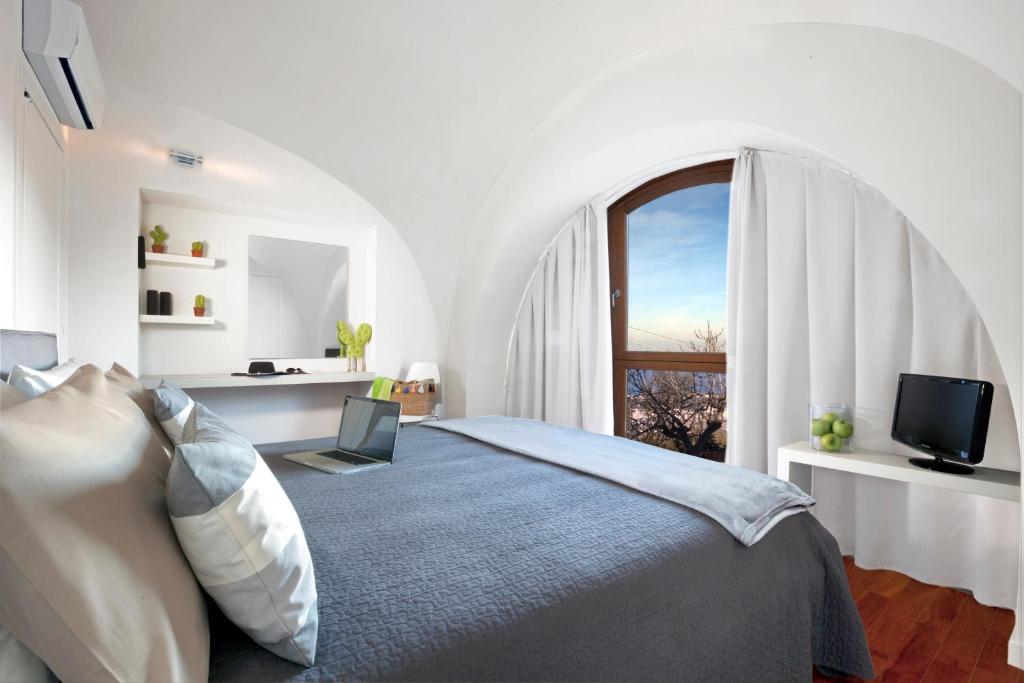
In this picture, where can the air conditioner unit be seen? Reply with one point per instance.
(57, 44)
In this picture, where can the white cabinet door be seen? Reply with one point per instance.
(42, 210)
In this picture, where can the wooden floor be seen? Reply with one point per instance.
(928, 633)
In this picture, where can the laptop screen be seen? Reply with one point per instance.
(369, 427)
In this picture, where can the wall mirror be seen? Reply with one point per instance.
(297, 292)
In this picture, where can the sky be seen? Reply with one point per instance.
(677, 251)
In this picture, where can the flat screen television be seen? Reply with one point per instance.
(945, 417)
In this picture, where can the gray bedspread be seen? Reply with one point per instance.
(466, 562)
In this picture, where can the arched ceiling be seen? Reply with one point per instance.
(419, 105)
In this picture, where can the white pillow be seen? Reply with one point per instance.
(243, 538)
(92, 577)
(34, 383)
(17, 662)
(10, 397)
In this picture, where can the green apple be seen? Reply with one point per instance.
(832, 443)
(829, 418)
(820, 427)
(842, 428)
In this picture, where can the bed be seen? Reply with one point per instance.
(464, 561)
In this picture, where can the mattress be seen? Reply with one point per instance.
(463, 561)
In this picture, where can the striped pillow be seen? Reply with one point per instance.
(243, 538)
(173, 408)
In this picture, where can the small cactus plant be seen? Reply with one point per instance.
(197, 248)
(355, 344)
(159, 236)
(200, 308)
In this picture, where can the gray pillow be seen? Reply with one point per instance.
(243, 538)
(173, 409)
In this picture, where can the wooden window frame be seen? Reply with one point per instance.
(618, 264)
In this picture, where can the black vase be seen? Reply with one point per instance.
(152, 302)
(165, 304)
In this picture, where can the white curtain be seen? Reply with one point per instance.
(559, 365)
(832, 294)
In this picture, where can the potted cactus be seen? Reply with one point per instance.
(355, 344)
(197, 249)
(200, 308)
(159, 236)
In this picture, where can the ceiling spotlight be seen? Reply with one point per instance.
(186, 158)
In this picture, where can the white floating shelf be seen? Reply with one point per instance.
(985, 481)
(227, 380)
(186, 260)
(175, 320)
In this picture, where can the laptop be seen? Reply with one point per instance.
(366, 438)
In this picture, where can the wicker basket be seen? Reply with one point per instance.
(417, 398)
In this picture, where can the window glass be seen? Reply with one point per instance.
(678, 410)
(677, 247)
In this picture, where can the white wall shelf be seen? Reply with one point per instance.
(797, 460)
(185, 260)
(215, 381)
(175, 320)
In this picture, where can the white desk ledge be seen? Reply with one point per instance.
(228, 381)
(415, 419)
(796, 462)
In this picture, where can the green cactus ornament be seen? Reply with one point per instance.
(354, 344)
(159, 236)
(364, 333)
(346, 339)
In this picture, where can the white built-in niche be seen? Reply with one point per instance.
(218, 343)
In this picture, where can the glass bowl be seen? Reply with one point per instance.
(830, 427)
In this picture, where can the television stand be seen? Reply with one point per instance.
(798, 461)
(940, 465)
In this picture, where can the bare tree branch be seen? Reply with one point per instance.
(680, 410)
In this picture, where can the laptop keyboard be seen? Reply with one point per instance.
(350, 458)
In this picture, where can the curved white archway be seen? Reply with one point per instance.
(865, 98)
(936, 132)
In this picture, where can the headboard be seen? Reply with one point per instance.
(36, 350)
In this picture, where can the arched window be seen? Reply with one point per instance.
(667, 243)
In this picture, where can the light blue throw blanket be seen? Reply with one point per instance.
(747, 503)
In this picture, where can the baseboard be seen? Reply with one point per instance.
(1015, 655)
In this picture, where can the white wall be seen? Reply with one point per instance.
(107, 169)
(418, 106)
(10, 51)
(937, 133)
(223, 347)
(32, 192)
